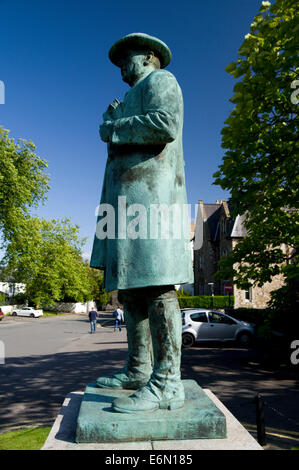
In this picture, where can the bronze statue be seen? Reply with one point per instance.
(145, 169)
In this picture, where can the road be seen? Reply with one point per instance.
(48, 357)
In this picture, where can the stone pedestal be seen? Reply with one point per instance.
(198, 419)
(63, 433)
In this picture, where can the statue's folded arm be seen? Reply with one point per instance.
(161, 117)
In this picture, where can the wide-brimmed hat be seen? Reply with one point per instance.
(140, 41)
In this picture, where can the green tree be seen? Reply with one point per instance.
(46, 256)
(98, 293)
(23, 182)
(260, 165)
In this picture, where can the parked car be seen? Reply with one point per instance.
(1, 314)
(27, 312)
(209, 325)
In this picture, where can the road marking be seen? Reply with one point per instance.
(275, 432)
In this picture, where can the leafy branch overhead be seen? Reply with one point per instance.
(260, 138)
(23, 182)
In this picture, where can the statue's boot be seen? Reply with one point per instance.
(138, 368)
(164, 389)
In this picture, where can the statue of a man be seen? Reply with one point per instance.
(145, 169)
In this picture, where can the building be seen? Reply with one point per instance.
(219, 235)
(189, 288)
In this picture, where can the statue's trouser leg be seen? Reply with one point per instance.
(165, 320)
(139, 361)
(165, 388)
(138, 368)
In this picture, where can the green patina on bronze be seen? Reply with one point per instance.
(199, 419)
(145, 166)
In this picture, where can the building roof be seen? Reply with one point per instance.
(239, 230)
(211, 215)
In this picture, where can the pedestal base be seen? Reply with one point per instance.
(63, 433)
(198, 419)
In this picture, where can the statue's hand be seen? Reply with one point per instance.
(114, 104)
(105, 131)
(109, 114)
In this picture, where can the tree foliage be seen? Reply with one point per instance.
(98, 293)
(260, 165)
(46, 256)
(23, 182)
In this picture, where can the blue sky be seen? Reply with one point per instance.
(59, 80)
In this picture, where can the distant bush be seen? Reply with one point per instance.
(2, 298)
(22, 299)
(205, 301)
(251, 315)
(267, 320)
(183, 293)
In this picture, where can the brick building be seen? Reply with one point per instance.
(219, 234)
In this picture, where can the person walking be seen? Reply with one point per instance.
(119, 318)
(93, 320)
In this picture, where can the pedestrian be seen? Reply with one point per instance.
(119, 318)
(93, 320)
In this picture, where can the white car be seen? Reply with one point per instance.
(27, 312)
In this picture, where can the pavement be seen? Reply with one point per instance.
(49, 357)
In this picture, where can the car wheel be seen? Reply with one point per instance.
(14, 314)
(244, 339)
(188, 340)
(32, 315)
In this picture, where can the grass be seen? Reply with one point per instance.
(24, 439)
(53, 314)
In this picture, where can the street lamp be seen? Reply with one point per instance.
(212, 293)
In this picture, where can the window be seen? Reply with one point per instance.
(219, 318)
(200, 261)
(215, 317)
(248, 294)
(200, 317)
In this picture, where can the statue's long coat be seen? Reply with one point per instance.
(146, 166)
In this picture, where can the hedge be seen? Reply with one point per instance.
(251, 315)
(205, 301)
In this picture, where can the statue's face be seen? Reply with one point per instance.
(132, 66)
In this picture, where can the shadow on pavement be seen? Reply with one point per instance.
(235, 377)
(33, 388)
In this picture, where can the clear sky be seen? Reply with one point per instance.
(59, 80)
